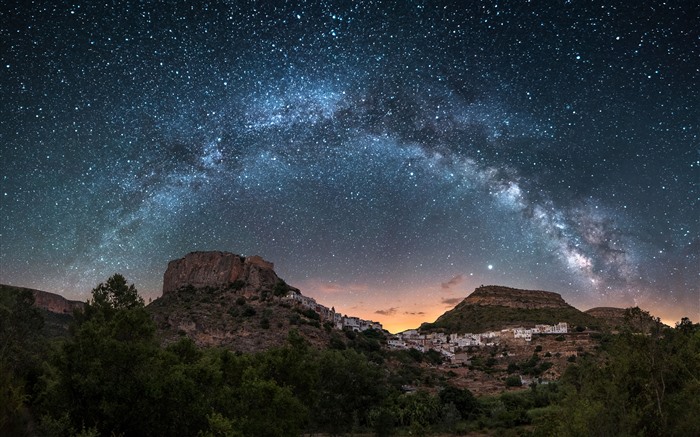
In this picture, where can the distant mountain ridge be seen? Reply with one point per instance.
(51, 302)
(56, 309)
(495, 307)
(617, 319)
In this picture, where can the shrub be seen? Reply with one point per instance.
(249, 311)
(311, 314)
(514, 381)
(237, 285)
(280, 288)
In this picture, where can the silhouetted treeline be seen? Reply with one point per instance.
(112, 377)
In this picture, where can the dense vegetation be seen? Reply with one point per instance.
(113, 377)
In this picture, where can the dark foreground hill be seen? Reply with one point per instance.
(495, 307)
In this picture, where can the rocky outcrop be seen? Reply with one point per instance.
(493, 295)
(226, 300)
(219, 270)
(56, 303)
(51, 302)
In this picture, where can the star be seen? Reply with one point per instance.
(382, 149)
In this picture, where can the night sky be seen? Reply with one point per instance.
(388, 157)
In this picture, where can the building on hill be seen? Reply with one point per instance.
(330, 315)
(523, 333)
(450, 344)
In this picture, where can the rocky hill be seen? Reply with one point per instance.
(56, 309)
(219, 269)
(493, 295)
(224, 299)
(494, 308)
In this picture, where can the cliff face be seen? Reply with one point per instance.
(51, 302)
(218, 269)
(56, 310)
(493, 295)
(56, 303)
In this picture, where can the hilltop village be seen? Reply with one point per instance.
(338, 320)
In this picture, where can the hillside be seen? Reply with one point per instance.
(56, 309)
(224, 299)
(495, 307)
(619, 319)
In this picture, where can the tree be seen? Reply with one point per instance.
(100, 372)
(463, 400)
(640, 385)
(115, 295)
(20, 346)
(349, 386)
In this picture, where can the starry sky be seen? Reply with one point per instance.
(388, 157)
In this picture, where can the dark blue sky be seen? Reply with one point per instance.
(387, 156)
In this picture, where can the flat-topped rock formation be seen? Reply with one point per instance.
(494, 295)
(217, 270)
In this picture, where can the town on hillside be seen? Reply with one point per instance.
(338, 320)
(449, 345)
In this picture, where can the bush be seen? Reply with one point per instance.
(237, 285)
(514, 381)
(280, 288)
(311, 314)
(249, 311)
